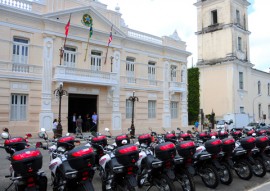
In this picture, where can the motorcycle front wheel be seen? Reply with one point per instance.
(186, 180)
(210, 176)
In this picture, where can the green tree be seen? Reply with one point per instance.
(193, 95)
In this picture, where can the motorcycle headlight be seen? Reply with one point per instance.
(118, 169)
(157, 164)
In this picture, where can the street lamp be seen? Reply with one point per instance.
(133, 98)
(59, 92)
(253, 106)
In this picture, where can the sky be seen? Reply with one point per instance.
(163, 17)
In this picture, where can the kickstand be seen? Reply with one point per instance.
(9, 186)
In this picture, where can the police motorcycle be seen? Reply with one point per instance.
(26, 163)
(183, 169)
(155, 164)
(248, 144)
(119, 165)
(72, 168)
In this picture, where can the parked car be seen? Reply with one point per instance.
(252, 125)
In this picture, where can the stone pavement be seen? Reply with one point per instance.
(263, 187)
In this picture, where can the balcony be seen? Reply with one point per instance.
(20, 71)
(177, 87)
(84, 76)
(138, 83)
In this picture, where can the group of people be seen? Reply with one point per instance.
(89, 124)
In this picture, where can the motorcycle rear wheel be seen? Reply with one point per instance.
(210, 176)
(163, 183)
(226, 176)
(258, 168)
(243, 170)
(186, 181)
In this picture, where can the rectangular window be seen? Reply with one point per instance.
(130, 69)
(238, 17)
(239, 43)
(152, 73)
(241, 80)
(95, 60)
(242, 110)
(18, 107)
(128, 109)
(151, 109)
(174, 109)
(20, 50)
(260, 110)
(214, 17)
(173, 73)
(268, 111)
(70, 57)
(268, 89)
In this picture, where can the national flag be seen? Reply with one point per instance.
(90, 31)
(67, 26)
(110, 38)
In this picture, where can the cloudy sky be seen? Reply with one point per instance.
(163, 17)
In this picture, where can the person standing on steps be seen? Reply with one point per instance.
(79, 123)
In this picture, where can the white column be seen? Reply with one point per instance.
(116, 115)
(166, 116)
(46, 114)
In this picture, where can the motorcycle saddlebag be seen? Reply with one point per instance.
(213, 146)
(127, 154)
(228, 145)
(81, 157)
(248, 143)
(170, 137)
(262, 142)
(236, 134)
(186, 149)
(145, 139)
(26, 161)
(223, 134)
(100, 140)
(204, 136)
(16, 143)
(185, 136)
(120, 138)
(66, 141)
(165, 151)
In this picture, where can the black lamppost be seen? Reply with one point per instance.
(59, 92)
(133, 98)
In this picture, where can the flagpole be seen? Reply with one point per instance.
(86, 48)
(110, 39)
(63, 49)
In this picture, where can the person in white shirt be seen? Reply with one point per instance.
(54, 128)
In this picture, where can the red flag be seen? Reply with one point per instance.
(67, 27)
(110, 38)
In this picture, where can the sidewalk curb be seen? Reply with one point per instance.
(260, 186)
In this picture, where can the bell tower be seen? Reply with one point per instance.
(223, 54)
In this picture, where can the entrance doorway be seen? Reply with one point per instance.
(81, 105)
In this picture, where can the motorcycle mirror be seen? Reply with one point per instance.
(39, 145)
(42, 129)
(107, 129)
(4, 135)
(28, 135)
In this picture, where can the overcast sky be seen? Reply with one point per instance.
(163, 17)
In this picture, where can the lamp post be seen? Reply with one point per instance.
(253, 106)
(59, 92)
(133, 98)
